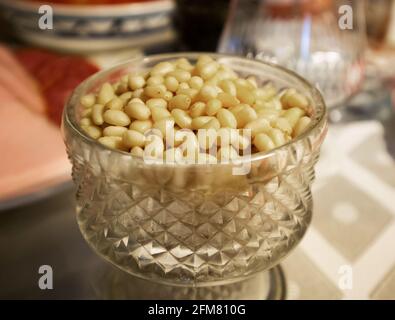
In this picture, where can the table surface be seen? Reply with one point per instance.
(347, 253)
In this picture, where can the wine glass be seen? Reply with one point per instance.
(322, 40)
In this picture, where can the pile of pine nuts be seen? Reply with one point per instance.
(177, 110)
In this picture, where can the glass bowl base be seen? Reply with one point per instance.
(113, 283)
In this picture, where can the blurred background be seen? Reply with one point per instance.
(345, 48)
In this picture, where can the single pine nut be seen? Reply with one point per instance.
(208, 70)
(245, 95)
(180, 75)
(97, 114)
(138, 110)
(115, 131)
(137, 152)
(115, 104)
(196, 82)
(171, 84)
(197, 109)
(93, 131)
(212, 124)
(159, 113)
(293, 115)
(213, 106)
(282, 124)
(228, 86)
(258, 126)
(133, 138)
(125, 97)
(245, 115)
(228, 101)
(277, 136)
(182, 119)
(301, 126)
(292, 98)
(88, 100)
(157, 91)
(156, 103)
(85, 122)
(263, 142)
(226, 119)
(106, 93)
(112, 142)
(116, 118)
(199, 122)
(207, 93)
(181, 101)
(162, 68)
(136, 82)
(141, 126)
(164, 125)
(155, 80)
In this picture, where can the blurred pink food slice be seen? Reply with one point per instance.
(15, 79)
(32, 152)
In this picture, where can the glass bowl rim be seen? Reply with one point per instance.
(319, 121)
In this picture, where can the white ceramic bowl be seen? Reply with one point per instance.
(92, 27)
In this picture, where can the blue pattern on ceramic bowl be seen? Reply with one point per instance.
(92, 27)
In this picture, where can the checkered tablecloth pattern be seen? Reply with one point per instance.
(352, 237)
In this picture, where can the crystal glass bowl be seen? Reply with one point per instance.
(194, 224)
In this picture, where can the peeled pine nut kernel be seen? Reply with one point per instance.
(171, 83)
(292, 98)
(197, 109)
(137, 152)
(277, 137)
(112, 142)
(182, 118)
(181, 101)
(156, 103)
(258, 126)
(160, 113)
(180, 75)
(213, 106)
(157, 91)
(282, 124)
(116, 118)
(85, 122)
(133, 138)
(141, 126)
(212, 124)
(293, 115)
(88, 100)
(138, 110)
(115, 104)
(114, 131)
(93, 131)
(136, 82)
(163, 125)
(162, 68)
(228, 100)
(97, 114)
(245, 115)
(226, 119)
(196, 82)
(301, 126)
(105, 94)
(263, 142)
(199, 122)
